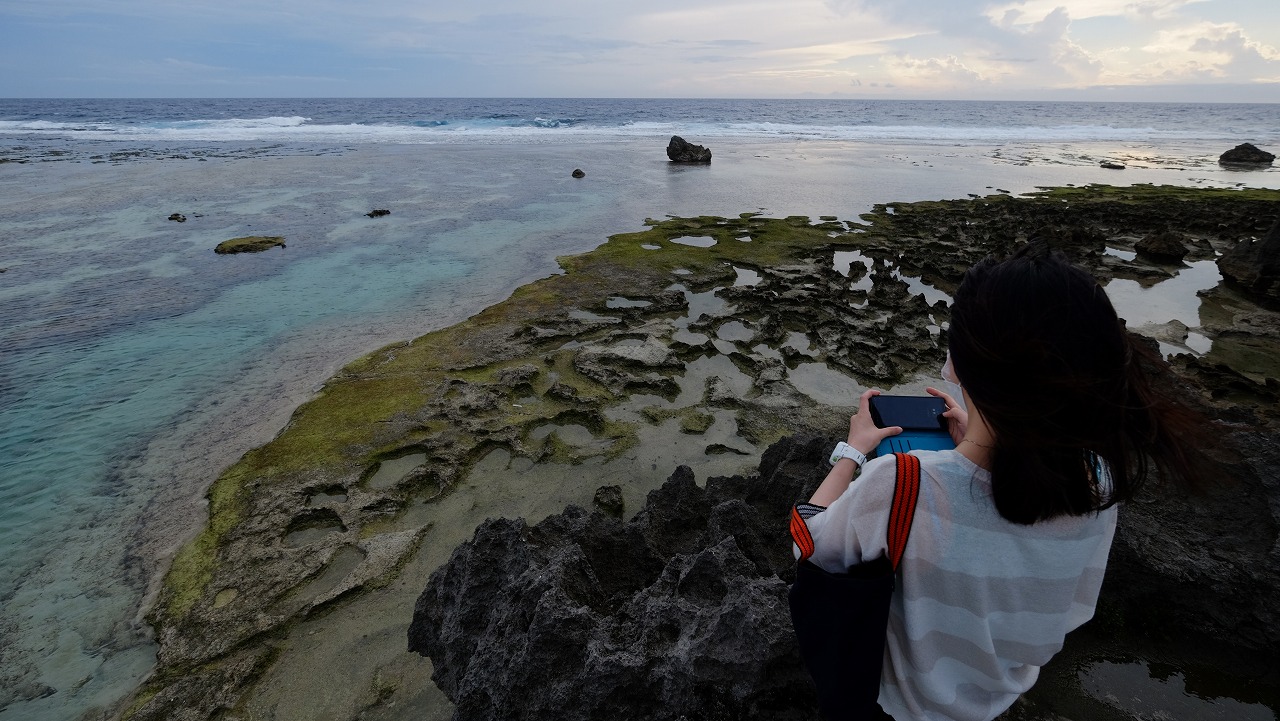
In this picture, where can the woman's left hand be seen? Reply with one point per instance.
(957, 417)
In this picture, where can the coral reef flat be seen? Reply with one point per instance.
(649, 353)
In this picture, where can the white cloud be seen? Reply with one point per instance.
(1210, 51)
(1027, 11)
(947, 72)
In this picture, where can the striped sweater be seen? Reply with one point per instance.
(982, 603)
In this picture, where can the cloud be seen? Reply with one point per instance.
(1020, 11)
(743, 48)
(946, 72)
(1211, 51)
(1022, 44)
(1049, 40)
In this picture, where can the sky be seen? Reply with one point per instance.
(1158, 50)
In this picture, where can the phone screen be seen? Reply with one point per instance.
(909, 412)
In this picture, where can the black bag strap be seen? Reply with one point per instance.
(906, 491)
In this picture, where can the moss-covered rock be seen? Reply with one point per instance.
(249, 244)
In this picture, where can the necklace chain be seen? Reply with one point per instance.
(980, 445)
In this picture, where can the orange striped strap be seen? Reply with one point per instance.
(800, 534)
(906, 491)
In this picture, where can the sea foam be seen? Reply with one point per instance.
(516, 129)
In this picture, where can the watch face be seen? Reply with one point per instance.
(844, 450)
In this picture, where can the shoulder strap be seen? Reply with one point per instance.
(906, 490)
(800, 534)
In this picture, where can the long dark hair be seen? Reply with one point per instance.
(1036, 343)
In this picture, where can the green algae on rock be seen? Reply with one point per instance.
(249, 244)
(563, 375)
(554, 355)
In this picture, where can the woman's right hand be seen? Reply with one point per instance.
(863, 432)
(957, 417)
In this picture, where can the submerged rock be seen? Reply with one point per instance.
(249, 244)
(1246, 154)
(178, 218)
(1167, 245)
(578, 173)
(609, 500)
(1110, 165)
(681, 151)
(378, 212)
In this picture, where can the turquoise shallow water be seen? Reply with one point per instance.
(135, 364)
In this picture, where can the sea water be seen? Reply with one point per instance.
(135, 363)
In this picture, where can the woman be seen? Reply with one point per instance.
(1013, 527)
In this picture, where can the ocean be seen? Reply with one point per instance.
(135, 363)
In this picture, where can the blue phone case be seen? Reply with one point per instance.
(915, 440)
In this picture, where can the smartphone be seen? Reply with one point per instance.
(922, 413)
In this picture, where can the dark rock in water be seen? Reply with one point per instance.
(1109, 165)
(609, 500)
(1080, 237)
(680, 612)
(178, 218)
(1255, 264)
(681, 151)
(577, 173)
(378, 212)
(249, 244)
(1246, 154)
(1162, 246)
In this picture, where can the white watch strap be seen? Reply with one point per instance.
(844, 450)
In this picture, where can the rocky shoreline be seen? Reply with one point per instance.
(722, 333)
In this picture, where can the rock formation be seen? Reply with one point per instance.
(681, 151)
(1246, 154)
(578, 173)
(299, 528)
(249, 244)
(1164, 246)
(1255, 264)
(681, 612)
(678, 613)
(378, 212)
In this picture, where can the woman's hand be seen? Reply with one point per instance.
(864, 436)
(863, 433)
(957, 417)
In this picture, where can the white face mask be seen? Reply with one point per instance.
(949, 373)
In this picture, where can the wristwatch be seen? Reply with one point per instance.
(844, 450)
